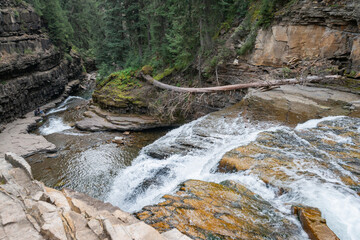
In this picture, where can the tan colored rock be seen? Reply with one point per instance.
(100, 120)
(58, 198)
(355, 53)
(84, 208)
(82, 231)
(31, 211)
(232, 164)
(69, 225)
(95, 226)
(280, 33)
(201, 209)
(280, 44)
(50, 221)
(16, 139)
(313, 224)
(124, 217)
(18, 162)
(174, 234)
(142, 231)
(11, 212)
(116, 232)
(295, 104)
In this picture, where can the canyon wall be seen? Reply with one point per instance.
(312, 30)
(32, 69)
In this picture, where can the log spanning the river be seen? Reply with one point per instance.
(309, 79)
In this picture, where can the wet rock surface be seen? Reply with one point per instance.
(30, 209)
(313, 223)
(274, 156)
(228, 210)
(299, 166)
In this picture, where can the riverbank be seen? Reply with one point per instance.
(28, 208)
(15, 136)
(201, 145)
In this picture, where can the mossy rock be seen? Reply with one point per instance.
(121, 90)
(147, 69)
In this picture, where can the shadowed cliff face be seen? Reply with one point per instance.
(32, 70)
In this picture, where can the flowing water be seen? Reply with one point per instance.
(85, 162)
(194, 150)
(141, 172)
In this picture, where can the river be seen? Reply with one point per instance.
(153, 163)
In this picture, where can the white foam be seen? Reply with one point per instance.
(53, 125)
(314, 122)
(63, 106)
(75, 134)
(312, 178)
(196, 164)
(338, 206)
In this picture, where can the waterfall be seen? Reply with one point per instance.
(193, 151)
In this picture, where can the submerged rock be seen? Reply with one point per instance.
(228, 210)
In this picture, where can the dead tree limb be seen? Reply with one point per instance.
(309, 79)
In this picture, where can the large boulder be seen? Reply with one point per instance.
(205, 210)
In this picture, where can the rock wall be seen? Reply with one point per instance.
(312, 30)
(32, 70)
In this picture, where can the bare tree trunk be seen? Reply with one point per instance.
(310, 79)
(216, 74)
(201, 49)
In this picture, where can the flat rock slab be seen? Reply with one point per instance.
(15, 138)
(100, 120)
(295, 104)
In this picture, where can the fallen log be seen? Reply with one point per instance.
(309, 79)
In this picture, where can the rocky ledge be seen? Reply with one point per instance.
(28, 208)
(15, 136)
(296, 104)
(96, 119)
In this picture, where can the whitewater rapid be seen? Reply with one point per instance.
(193, 151)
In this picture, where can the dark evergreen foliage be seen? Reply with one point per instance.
(160, 33)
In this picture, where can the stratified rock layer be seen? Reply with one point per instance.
(312, 30)
(97, 119)
(32, 70)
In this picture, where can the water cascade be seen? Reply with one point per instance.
(194, 150)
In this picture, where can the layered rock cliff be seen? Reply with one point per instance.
(312, 30)
(32, 70)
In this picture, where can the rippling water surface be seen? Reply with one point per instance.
(141, 172)
(86, 162)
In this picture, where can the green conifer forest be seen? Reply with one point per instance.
(164, 34)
